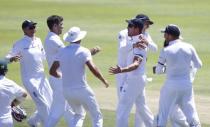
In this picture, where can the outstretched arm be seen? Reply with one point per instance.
(136, 62)
(96, 72)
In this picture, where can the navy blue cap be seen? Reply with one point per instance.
(145, 18)
(172, 30)
(136, 22)
(28, 23)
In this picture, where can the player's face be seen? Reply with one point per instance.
(168, 37)
(132, 31)
(57, 28)
(146, 25)
(30, 31)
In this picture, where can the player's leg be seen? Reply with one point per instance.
(177, 117)
(34, 120)
(127, 99)
(189, 108)
(41, 93)
(68, 114)
(6, 122)
(144, 110)
(89, 101)
(168, 97)
(138, 120)
(79, 111)
(58, 107)
(120, 81)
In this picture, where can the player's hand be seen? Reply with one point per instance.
(15, 58)
(115, 70)
(95, 50)
(141, 45)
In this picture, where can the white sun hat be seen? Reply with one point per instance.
(74, 34)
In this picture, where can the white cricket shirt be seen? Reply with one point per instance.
(178, 57)
(9, 90)
(141, 53)
(52, 45)
(32, 54)
(72, 60)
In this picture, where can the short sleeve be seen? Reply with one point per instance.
(87, 56)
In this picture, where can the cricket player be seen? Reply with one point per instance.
(52, 45)
(178, 56)
(124, 48)
(72, 60)
(176, 115)
(10, 93)
(30, 52)
(134, 91)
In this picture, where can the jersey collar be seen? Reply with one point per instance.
(174, 41)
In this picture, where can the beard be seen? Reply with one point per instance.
(165, 44)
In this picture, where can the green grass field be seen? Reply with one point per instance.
(103, 19)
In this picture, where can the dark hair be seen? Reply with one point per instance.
(52, 20)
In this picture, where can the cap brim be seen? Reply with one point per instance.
(151, 22)
(129, 21)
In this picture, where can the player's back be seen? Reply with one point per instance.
(178, 61)
(72, 63)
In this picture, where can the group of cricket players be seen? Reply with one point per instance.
(67, 94)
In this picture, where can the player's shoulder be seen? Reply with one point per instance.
(8, 83)
(84, 49)
(187, 45)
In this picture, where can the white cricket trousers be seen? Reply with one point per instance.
(6, 122)
(177, 93)
(133, 93)
(121, 80)
(60, 106)
(81, 99)
(41, 93)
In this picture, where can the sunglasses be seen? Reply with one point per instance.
(31, 27)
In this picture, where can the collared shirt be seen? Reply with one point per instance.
(52, 45)
(32, 54)
(179, 57)
(72, 60)
(9, 91)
